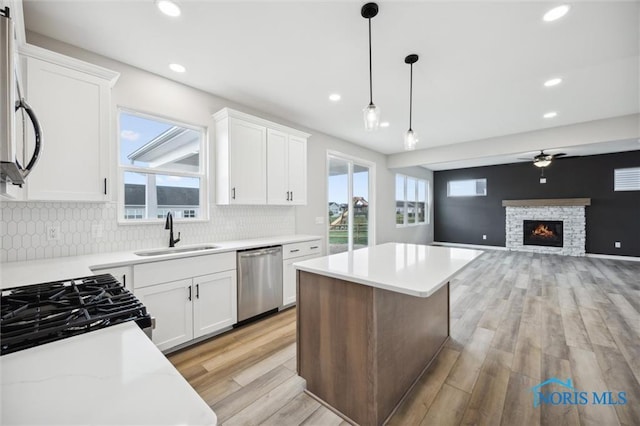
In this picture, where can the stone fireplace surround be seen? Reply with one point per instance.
(571, 211)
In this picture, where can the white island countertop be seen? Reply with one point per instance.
(112, 376)
(416, 270)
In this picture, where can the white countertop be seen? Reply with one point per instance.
(416, 270)
(15, 274)
(112, 376)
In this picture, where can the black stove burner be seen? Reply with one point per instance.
(42, 313)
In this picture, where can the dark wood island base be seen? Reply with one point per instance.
(362, 348)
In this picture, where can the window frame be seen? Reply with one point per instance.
(486, 188)
(427, 216)
(203, 175)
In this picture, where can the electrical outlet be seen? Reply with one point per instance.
(96, 231)
(53, 233)
(319, 220)
(484, 237)
(617, 244)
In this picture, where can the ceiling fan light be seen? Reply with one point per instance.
(410, 140)
(371, 117)
(541, 163)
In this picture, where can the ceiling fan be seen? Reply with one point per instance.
(543, 160)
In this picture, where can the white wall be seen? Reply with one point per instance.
(140, 90)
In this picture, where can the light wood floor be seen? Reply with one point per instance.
(517, 320)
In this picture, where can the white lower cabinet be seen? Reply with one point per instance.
(189, 298)
(292, 253)
(215, 305)
(171, 304)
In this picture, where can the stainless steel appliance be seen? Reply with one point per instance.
(41, 313)
(12, 110)
(259, 281)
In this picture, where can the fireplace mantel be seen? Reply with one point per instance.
(541, 202)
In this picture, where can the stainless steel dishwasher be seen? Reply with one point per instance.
(259, 281)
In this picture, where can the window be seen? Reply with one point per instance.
(411, 201)
(467, 188)
(626, 179)
(162, 168)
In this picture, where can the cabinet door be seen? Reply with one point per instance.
(215, 303)
(73, 110)
(172, 307)
(289, 279)
(298, 170)
(248, 163)
(122, 274)
(277, 167)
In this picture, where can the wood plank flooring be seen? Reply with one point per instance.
(517, 319)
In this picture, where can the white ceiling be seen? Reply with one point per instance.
(480, 74)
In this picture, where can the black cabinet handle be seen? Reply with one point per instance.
(105, 186)
(287, 195)
(124, 281)
(291, 196)
(313, 247)
(294, 251)
(189, 292)
(197, 291)
(233, 190)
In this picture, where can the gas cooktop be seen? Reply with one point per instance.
(41, 313)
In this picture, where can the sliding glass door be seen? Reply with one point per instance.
(350, 204)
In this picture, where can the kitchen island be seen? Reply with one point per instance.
(370, 321)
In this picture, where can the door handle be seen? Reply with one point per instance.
(287, 195)
(189, 292)
(233, 190)
(291, 196)
(313, 247)
(197, 291)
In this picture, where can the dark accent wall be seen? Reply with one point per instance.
(612, 216)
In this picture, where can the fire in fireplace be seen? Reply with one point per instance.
(542, 233)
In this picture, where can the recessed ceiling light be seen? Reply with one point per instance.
(168, 7)
(556, 13)
(335, 97)
(177, 68)
(552, 82)
(550, 114)
(384, 124)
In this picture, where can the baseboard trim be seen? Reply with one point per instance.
(471, 246)
(613, 257)
(481, 247)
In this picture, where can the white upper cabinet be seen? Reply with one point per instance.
(297, 170)
(72, 100)
(258, 161)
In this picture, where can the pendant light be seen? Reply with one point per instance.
(410, 137)
(371, 112)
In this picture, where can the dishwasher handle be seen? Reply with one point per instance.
(259, 253)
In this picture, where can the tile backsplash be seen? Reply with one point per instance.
(23, 227)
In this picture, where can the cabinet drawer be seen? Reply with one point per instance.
(147, 274)
(306, 248)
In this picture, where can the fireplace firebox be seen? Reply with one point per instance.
(542, 233)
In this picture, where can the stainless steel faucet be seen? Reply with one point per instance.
(169, 225)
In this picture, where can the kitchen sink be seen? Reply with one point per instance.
(174, 250)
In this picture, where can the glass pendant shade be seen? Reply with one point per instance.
(542, 163)
(371, 117)
(410, 140)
